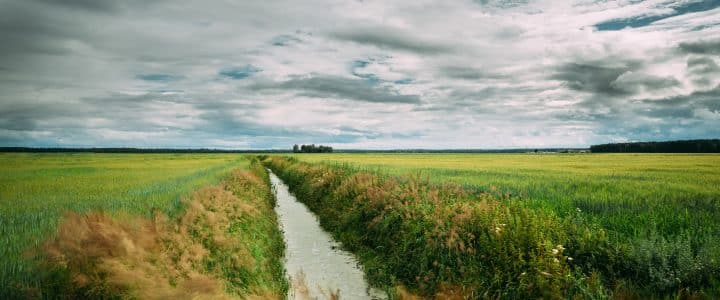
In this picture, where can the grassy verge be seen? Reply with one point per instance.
(221, 241)
(37, 188)
(442, 239)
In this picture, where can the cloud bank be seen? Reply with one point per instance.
(357, 74)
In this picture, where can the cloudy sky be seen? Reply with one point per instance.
(357, 74)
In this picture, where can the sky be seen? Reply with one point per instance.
(368, 74)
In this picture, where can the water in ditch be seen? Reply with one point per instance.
(317, 267)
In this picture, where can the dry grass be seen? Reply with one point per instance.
(299, 288)
(300, 291)
(160, 258)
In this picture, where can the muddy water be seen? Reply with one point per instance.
(314, 261)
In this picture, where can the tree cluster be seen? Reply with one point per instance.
(686, 146)
(312, 149)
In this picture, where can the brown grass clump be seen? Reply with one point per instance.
(132, 257)
(300, 291)
(106, 257)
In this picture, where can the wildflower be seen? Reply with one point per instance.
(555, 260)
(560, 247)
(523, 273)
(555, 251)
(570, 258)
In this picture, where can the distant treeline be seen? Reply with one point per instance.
(312, 149)
(134, 150)
(299, 150)
(686, 146)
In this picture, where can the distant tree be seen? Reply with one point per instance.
(296, 148)
(687, 146)
(313, 149)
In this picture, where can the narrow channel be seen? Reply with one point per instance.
(316, 265)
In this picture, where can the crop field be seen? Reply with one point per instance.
(36, 190)
(632, 194)
(660, 212)
(443, 225)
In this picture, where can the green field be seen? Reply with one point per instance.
(635, 224)
(36, 189)
(632, 194)
(661, 212)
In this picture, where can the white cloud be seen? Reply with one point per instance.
(458, 74)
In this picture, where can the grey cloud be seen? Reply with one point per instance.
(239, 72)
(703, 70)
(25, 115)
(389, 38)
(98, 6)
(159, 77)
(633, 82)
(594, 78)
(468, 73)
(17, 123)
(709, 100)
(701, 47)
(22, 34)
(680, 107)
(227, 125)
(702, 65)
(284, 40)
(69, 73)
(339, 88)
(502, 3)
(92, 5)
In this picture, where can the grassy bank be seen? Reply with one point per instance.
(136, 228)
(635, 195)
(441, 237)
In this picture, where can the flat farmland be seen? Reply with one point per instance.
(632, 194)
(658, 215)
(37, 189)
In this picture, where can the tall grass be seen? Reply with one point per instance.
(36, 190)
(664, 209)
(225, 244)
(630, 194)
(433, 237)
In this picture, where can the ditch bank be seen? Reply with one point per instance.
(224, 244)
(441, 240)
(316, 266)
